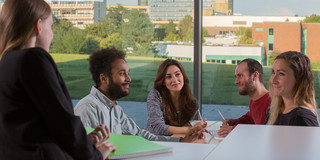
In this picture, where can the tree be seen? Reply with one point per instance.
(114, 40)
(97, 29)
(159, 34)
(169, 27)
(171, 37)
(57, 45)
(272, 56)
(186, 29)
(245, 34)
(312, 19)
(91, 45)
(189, 35)
(185, 25)
(164, 30)
(64, 23)
(114, 19)
(137, 33)
(67, 39)
(205, 32)
(74, 40)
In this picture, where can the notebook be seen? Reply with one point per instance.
(129, 146)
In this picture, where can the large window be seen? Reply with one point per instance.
(150, 37)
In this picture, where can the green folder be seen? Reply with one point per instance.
(129, 146)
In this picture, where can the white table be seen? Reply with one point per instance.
(182, 151)
(187, 151)
(265, 142)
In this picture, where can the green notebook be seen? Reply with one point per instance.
(129, 146)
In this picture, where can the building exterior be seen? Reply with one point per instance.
(175, 9)
(79, 12)
(142, 8)
(227, 25)
(279, 37)
(142, 2)
(224, 7)
(213, 54)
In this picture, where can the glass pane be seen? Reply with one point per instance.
(144, 29)
(259, 30)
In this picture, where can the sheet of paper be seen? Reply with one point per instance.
(215, 134)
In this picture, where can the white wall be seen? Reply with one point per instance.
(187, 51)
(227, 21)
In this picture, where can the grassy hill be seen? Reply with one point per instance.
(218, 79)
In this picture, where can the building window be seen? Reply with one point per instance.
(304, 41)
(270, 46)
(270, 31)
(259, 43)
(223, 61)
(259, 29)
(233, 61)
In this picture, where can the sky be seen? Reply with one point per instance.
(263, 7)
(123, 2)
(277, 7)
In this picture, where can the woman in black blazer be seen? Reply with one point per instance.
(36, 112)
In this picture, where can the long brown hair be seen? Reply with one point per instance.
(187, 100)
(18, 19)
(303, 91)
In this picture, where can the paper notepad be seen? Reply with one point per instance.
(129, 146)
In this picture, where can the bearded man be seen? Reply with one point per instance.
(249, 80)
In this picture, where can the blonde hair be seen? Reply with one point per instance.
(18, 19)
(303, 91)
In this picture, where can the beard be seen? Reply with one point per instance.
(115, 91)
(248, 88)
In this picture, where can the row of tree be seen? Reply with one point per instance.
(131, 30)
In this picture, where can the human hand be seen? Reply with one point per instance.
(96, 137)
(227, 122)
(105, 148)
(225, 130)
(193, 134)
(202, 124)
(100, 141)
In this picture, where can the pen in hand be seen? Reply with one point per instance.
(203, 121)
(200, 115)
(223, 117)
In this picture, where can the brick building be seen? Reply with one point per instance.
(228, 25)
(285, 36)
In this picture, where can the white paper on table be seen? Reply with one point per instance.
(215, 134)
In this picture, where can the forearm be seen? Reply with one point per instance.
(177, 130)
(245, 119)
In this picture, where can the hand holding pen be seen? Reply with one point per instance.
(224, 121)
(203, 122)
(225, 128)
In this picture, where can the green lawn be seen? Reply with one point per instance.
(218, 79)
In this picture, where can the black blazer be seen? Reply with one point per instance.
(36, 112)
